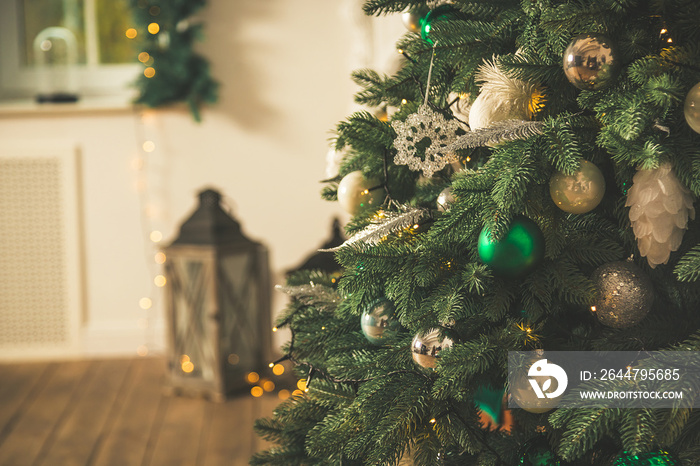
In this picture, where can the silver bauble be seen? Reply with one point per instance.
(591, 62)
(445, 200)
(625, 294)
(378, 318)
(579, 192)
(692, 108)
(413, 19)
(426, 348)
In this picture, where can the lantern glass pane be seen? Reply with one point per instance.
(193, 302)
(240, 281)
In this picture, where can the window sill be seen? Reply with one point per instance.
(86, 105)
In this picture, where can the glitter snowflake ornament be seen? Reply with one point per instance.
(423, 140)
(659, 210)
(425, 128)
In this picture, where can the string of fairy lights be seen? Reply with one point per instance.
(145, 163)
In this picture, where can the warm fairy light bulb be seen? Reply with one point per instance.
(149, 146)
(145, 303)
(159, 258)
(256, 391)
(278, 369)
(268, 385)
(301, 384)
(149, 72)
(593, 309)
(156, 236)
(271, 365)
(131, 33)
(274, 329)
(252, 377)
(404, 101)
(144, 56)
(233, 359)
(283, 394)
(664, 31)
(159, 280)
(433, 421)
(153, 28)
(187, 366)
(297, 393)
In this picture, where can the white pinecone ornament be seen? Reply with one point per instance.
(659, 210)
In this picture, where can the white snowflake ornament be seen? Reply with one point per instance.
(425, 128)
(659, 210)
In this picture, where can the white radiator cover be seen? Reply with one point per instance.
(41, 281)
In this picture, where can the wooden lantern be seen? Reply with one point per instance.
(218, 303)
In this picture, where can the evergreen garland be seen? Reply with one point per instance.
(178, 74)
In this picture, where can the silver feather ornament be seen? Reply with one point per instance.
(386, 224)
(660, 207)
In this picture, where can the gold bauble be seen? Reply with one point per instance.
(524, 396)
(356, 192)
(691, 108)
(625, 294)
(579, 192)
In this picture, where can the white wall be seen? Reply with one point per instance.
(284, 72)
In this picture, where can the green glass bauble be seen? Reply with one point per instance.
(519, 251)
(590, 62)
(579, 192)
(537, 452)
(376, 319)
(441, 13)
(691, 109)
(654, 458)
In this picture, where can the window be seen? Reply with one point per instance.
(106, 59)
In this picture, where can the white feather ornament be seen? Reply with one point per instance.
(659, 210)
(502, 97)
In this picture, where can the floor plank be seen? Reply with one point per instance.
(18, 383)
(230, 433)
(115, 413)
(179, 436)
(81, 428)
(35, 429)
(125, 442)
(262, 407)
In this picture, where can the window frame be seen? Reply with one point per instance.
(94, 79)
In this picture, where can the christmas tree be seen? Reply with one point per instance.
(527, 181)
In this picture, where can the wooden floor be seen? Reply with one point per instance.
(115, 413)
